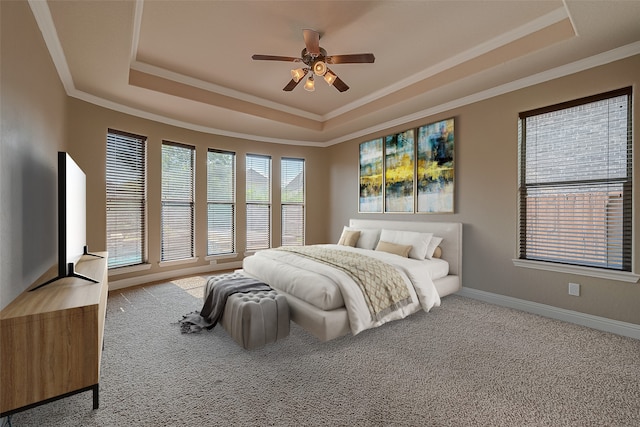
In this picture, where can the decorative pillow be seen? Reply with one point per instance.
(437, 253)
(368, 237)
(418, 241)
(349, 238)
(433, 244)
(392, 248)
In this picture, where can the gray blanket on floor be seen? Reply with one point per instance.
(214, 303)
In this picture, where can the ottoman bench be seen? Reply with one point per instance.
(255, 318)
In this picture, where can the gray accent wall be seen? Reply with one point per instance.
(32, 131)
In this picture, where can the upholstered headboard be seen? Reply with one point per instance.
(451, 233)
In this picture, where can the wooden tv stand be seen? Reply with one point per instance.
(51, 339)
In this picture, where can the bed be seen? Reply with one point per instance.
(328, 302)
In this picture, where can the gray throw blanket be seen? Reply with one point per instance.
(214, 303)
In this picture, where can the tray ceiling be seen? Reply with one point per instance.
(188, 63)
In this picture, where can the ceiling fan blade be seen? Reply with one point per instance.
(275, 58)
(291, 85)
(355, 58)
(312, 41)
(340, 85)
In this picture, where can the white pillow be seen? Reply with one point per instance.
(433, 244)
(419, 241)
(368, 237)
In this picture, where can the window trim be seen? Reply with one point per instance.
(599, 272)
(268, 204)
(193, 257)
(302, 204)
(144, 247)
(129, 269)
(234, 242)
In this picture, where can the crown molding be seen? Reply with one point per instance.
(555, 73)
(111, 105)
(44, 21)
(221, 90)
(42, 14)
(477, 51)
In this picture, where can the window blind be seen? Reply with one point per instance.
(221, 202)
(292, 193)
(576, 182)
(126, 187)
(177, 218)
(258, 199)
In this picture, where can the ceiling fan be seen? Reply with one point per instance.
(315, 58)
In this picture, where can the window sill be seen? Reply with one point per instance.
(129, 269)
(213, 259)
(178, 262)
(622, 276)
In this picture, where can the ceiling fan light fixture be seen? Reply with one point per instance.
(319, 68)
(329, 77)
(315, 60)
(309, 85)
(297, 74)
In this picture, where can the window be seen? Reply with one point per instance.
(258, 198)
(126, 199)
(177, 218)
(292, 201)
(575, 182)
(221, 202)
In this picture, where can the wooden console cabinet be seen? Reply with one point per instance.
(51, 339)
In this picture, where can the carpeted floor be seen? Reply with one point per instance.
(466, 363)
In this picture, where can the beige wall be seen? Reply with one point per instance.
(486, 195)
(87, 145)
(33, 112)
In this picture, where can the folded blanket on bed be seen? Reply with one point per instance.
(214, 303)
(383, 287)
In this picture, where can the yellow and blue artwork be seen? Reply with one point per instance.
(370, 177)
(435, 167)
(399, 165)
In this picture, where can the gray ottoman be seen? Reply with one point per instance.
(253, 319)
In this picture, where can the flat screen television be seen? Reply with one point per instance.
(72, 219)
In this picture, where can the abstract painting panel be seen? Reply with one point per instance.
(435, 171)
(399, 157)
(370, 176)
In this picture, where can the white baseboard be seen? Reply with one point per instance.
(148, 278)
(631, 330)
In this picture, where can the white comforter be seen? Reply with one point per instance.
(275, 267)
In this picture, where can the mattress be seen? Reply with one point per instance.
(321, 290)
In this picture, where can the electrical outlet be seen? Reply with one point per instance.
(574, 289)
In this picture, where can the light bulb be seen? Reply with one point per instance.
(319, 68)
